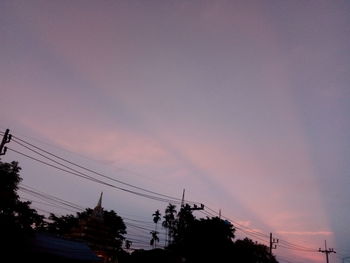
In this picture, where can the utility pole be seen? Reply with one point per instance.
(326, 251)
(195, 207)
(6, 139)
(273, 241)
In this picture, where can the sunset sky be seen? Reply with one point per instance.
(245, 104)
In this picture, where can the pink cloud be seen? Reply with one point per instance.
(306, 233)
(312, 257)
(117, 145)
(245, 223)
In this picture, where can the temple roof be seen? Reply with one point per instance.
(59, 247)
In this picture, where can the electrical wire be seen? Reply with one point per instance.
(154, 196)
(50, 199)
(48, 204)
(260, 235)
(16, 140)
(254, 233)
(87, 177)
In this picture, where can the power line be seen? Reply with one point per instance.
(45, 197)
(16, 139)
(158, 196)
(240, 226)
(60, 148)
(254, 236)
(140, 221)
(326, 251)
(50, 197)
(48, 204)
(42, 210)
(42, 195)
(247, 231)
(259, 235)
(287, 260)
(87, 177)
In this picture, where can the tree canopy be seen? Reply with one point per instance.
(17, 219)
(210, 239)
(16, 216)
(195, 240)
(112, 223)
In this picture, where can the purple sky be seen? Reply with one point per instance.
(246, 105)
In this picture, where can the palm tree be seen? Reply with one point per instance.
(169, 222)
(156, 218)
(154, 239)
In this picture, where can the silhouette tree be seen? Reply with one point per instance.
(128, 244)
(169, 222)
(185, 220)
(156, 218)
(247, 251)
(114, 227)
(16, 216)
(154, 239)
(61, 225)
(206, 240)
(17, 220)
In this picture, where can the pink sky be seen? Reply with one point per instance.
(244, 105)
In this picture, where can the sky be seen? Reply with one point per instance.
(244, 104)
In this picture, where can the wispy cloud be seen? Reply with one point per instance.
(306, 233)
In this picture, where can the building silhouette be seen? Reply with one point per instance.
(93, 231)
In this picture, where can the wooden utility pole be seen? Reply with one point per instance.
(6, 139)
(273, 241)
(326, 251)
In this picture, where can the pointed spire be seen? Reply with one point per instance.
(99, 203)
(98, 210)
(183, 198)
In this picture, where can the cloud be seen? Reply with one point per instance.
(112, 145)
(306, 233)
(245, 223)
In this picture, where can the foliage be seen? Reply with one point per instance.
(248, 251)
(206, 239)
(154, 234)
(64, 225)
(61, 225)
(16, 217)
(169, 222)
(18, 220)
(155, 239)
(184, 222)
(191, 239)
(210, 239)
(115, 224)
(156, 218)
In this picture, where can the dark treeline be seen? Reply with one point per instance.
(188, 239)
